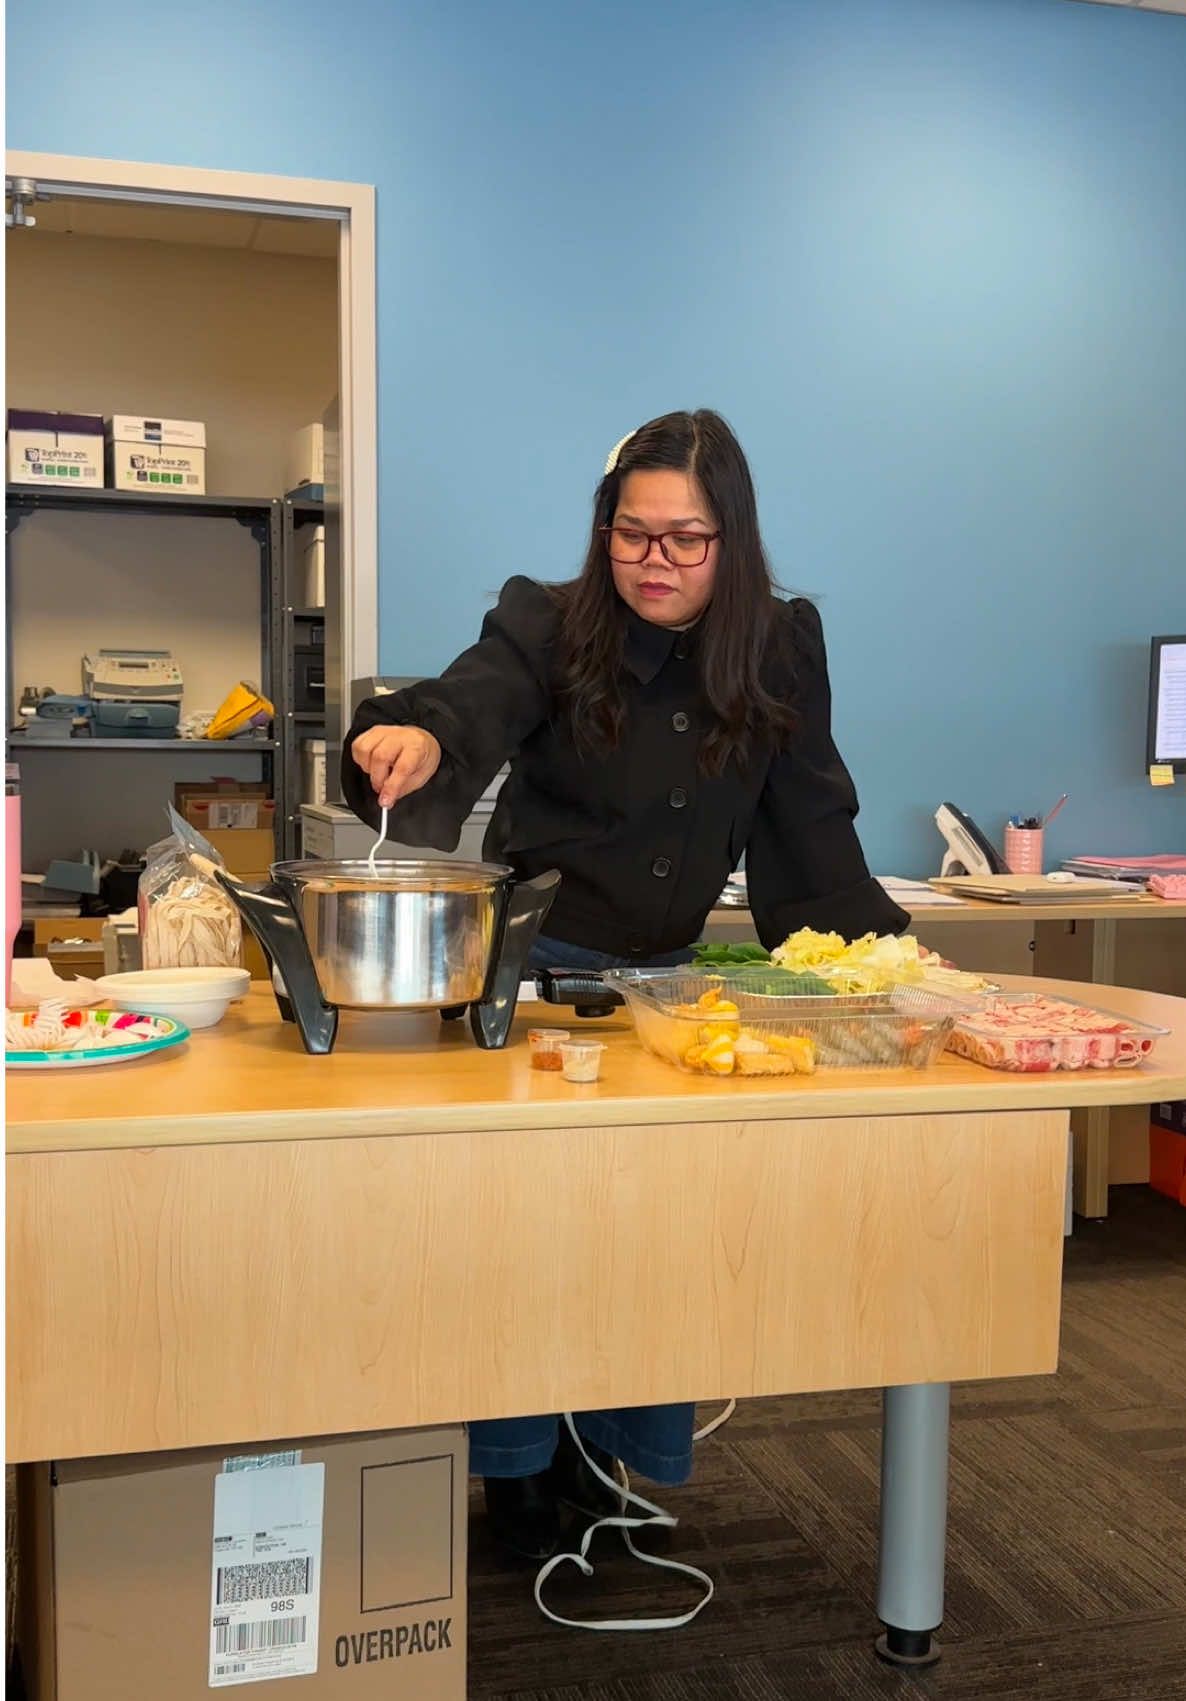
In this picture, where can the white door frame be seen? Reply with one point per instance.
(353, 206)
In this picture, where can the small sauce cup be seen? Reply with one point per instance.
(546, 1044)
(581, 1060)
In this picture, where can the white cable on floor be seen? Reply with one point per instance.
(717, 1422)
(655, 1518)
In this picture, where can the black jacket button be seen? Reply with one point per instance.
(680, 721)
(661, 867)
(677, 797)
(681, 650)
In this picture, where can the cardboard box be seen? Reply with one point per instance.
(335, 1566)
(55, 448)
(224, 804)
(167, 456)
(306, 458)
(1167, 1162)
(248, 852)
(229, 814)
(57, 930)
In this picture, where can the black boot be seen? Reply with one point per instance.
(523, 1514)
(574, 1485)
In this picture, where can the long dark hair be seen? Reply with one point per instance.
(736, 629)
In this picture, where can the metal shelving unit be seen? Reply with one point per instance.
(296, 623)
(268, 521)
(19, 747)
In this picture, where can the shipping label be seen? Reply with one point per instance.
(265, 1583)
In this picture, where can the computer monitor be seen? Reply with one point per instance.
(1167, 703)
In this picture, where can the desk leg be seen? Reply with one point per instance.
(1091, 1126)
(915, 1424)
(1083, 950)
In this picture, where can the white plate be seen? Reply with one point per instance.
(197, 997)
(181, 985)
(144, 1036)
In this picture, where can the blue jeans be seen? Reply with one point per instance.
(655, 1441)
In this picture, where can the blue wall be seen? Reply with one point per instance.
(928, 255)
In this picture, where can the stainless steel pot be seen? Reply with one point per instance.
(403, 936)
(446, 936)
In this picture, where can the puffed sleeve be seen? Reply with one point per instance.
(804, 863)
(480, 710)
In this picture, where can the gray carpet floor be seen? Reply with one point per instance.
(1066, 1576)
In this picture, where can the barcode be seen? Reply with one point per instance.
(231, 1671)
(273, 1581)
(259, 1634)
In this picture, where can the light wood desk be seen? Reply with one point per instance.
(1082, 940)
(238, 1242)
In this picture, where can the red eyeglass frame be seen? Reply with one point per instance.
(606, 532)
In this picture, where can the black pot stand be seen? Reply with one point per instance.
(268, 912)
(273, 920)
(526, 907)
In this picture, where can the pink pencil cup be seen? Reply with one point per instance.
(1023, 849)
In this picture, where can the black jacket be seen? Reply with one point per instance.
(643, 839)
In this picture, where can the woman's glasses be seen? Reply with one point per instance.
(630, 546)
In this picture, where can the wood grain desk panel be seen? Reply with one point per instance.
(180, 1296)
(241, 1242)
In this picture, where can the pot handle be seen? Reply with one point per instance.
(527, 906)
(270, 916)
(583, 988)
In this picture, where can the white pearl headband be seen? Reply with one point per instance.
(612, 459)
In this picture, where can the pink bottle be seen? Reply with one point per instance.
(12, 869)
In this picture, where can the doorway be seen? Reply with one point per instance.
(174, 290)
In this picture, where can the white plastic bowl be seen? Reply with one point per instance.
(197, 997)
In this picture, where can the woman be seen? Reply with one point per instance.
(663, 714)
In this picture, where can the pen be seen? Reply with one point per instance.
(1056, 809)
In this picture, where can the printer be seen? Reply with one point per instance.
(134, 693)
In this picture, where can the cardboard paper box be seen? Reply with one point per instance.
(223, 804)
(229, 813)
(166, 456)
(247, 851)
(306, 457)
(55, 448)
(55, 931)
(335, 1566)
(74, 946)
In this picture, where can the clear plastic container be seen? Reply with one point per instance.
(717, 1025)
(1030, 1033)
(545, 1046)
(581, 1060)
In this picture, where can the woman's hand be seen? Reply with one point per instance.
(398, 759)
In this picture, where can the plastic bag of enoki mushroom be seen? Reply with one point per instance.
(187, 921)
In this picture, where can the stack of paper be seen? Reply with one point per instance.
(911, 894)
(1131, 868)
(1032, 889)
